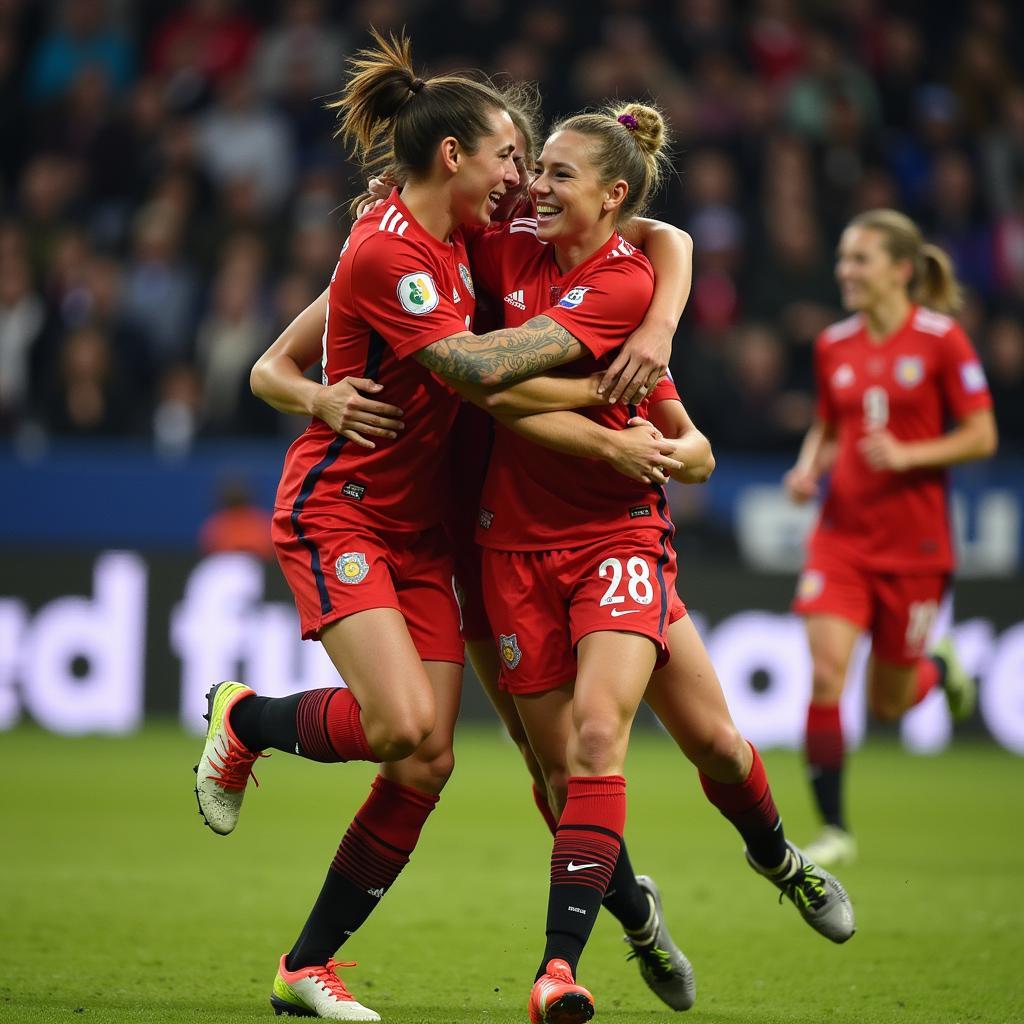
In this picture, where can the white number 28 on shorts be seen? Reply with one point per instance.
(638, 583)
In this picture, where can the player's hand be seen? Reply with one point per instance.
(641, 453)
(380, 186)
(800, 485)
(348, 412)
(640, 364)
(882, 451)
(369, 204)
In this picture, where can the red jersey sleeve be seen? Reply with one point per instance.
(607, 307)
(400, 292)
(824, 407)
(963, 379)
(664, 391)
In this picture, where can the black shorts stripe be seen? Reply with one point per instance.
(375, 349)
(666, 539)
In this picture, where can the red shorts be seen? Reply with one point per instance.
(543, 602)
(337, 571)
(896, 608)
(469, 577)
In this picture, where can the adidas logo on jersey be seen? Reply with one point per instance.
(516, 299)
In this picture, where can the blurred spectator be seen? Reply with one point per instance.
(305, 47)
(197, 48)
(176, 414)
(230, 337)
(776, 41)
(160, 288)
(1005, 365)
(22, 319)
(88, 395)
(82, 38)
(241, 139)
(237, 524)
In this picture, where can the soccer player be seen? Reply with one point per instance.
(356, 530)
(579, 571)
(889, 379)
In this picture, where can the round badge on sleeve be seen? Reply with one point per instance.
(352, 567)
(417, 293)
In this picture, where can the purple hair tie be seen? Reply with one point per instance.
(629, 121)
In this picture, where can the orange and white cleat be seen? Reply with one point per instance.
(226, 764)
(316, 992)
(557, 999)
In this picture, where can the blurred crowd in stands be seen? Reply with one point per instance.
(171, 195)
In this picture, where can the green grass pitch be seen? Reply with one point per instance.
(118, 905)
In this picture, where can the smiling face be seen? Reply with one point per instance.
(571, 201)
(867, 275)
(483, 178)
(508, 207)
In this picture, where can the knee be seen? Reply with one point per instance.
(828, 678)
(434, 772)
(724, 754)
(599, 747)
(398, 738)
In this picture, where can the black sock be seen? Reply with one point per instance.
(261, 722)
(942, 667)
(339, 910)
(827, 784)
(625, 900)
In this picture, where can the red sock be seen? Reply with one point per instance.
(330, 728)
(823, 744)
(586, 848)
(751, 809)
(541, 800)
(383, 834)
(927, 678)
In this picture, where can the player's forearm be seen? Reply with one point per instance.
(693, 450)
(565, 432)
(817, 450)
(545, 393)
(278, 381)
(976, 439)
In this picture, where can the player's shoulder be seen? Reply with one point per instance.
(930, 322)
(842, 330)
(387, 234)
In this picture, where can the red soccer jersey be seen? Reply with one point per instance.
(534, 498)
(396, 289)
(911, 384)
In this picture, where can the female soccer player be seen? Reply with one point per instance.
(880, 558)
(579, 572)
(357, 531)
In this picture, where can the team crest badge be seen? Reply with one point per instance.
(573, 297)
(352, 567)
(508, 648)
(843, 377)
(417, 294)
(467, 279)
(909, 371)
(810, 585)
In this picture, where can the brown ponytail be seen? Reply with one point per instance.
(933, 282)
(388, 114)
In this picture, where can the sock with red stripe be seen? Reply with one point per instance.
(931, 672)
(372, 853)
(824, 751)
(321, 725)
(583, 858)
(540, 798)
(750, 807)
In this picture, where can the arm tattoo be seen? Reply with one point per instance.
(504, 356)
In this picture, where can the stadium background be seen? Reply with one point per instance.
(169, 197)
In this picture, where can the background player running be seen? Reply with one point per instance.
(889, 379)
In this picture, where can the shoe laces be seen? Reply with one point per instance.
(805, 887)
(657, 960)
(232, 767)
(328, 977)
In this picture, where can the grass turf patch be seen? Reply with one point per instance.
(119, 905)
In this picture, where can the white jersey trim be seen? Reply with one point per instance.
(843, 329)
